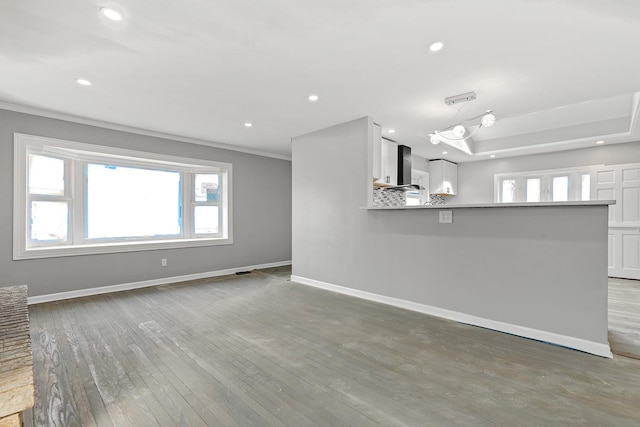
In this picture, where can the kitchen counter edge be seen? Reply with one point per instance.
(496, 205)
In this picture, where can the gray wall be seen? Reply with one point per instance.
(475, 179)
(261, 215)
(550, 275)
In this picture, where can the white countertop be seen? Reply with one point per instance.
(497, 205)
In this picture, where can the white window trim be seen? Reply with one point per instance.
(23, 142)
(520, 178)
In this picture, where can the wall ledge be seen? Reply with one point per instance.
(580, 344)
(147, 283)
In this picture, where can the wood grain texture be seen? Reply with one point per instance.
(16, 364)
(14, 420)
(257, 350)
(624, 317)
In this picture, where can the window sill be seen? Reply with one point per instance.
(107, 248)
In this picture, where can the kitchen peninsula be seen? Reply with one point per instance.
(534, 270)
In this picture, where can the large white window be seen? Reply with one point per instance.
(544, 186)
(73, 199)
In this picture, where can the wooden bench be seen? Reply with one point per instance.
(16, 362)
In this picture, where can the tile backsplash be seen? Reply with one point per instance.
(436, 199)
(388, 197)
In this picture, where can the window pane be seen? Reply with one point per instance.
(49, 221)
(206, 188)
(46, 175)
(533, 190)
(586, 187)
(206, 219)
(560, 188)
(508, 190)
(132, 202)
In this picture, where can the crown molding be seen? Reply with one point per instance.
(19, 108)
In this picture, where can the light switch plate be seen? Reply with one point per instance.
(446, 217)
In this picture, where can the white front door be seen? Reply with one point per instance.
(622, 184)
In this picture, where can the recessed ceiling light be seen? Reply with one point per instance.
(111, 14)
(599, 142)
(313, 98)
(436, 46)
(492, 156)
(83, 82)
(391, 131)
(248, 125)
(445, 152)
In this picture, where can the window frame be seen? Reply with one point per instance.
(77, 155)
(540, 179)
(195, 203)
(66, 197)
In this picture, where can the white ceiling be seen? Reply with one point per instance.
(557, 74)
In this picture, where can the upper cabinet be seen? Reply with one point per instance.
(389, 162)
(385, 159)
(377, 152)
(443, 178)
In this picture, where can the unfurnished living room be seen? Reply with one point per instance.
(304, 213)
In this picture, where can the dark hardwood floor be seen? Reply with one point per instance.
(257, 350)
(624, 317)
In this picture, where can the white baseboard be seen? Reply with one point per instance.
(146, 283)
(591, 347)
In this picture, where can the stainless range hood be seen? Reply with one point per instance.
(404, 165)
(404, 170)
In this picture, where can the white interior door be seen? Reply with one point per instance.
(622, 184)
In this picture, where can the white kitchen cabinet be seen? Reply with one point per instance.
(389, 162)
(443, 178)
(377, 153)
(384, 158)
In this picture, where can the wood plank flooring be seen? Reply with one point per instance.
(257, 350)
(624, 317)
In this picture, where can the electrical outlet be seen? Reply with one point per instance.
(163, 262)
(446, 217)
